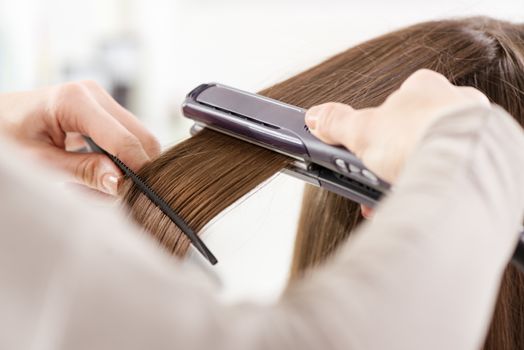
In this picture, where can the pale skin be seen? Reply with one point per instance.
(48, 124)
(383, 137)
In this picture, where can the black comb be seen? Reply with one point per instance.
(158, 201)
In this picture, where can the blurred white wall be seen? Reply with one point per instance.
(163, 48)
(181, 43)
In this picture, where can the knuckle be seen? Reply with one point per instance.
(423, 72)
(74, 89)
(128, 142)
(424, 79)
(85, 171)
(426, 75)
(153, 144)
(91, 84)
(470, 91)
(474, 95)
(71, 91)
(64, 98)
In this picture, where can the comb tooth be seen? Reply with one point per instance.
(169, 212)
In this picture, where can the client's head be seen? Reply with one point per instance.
(208, 172)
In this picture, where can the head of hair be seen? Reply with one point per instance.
(203, 175)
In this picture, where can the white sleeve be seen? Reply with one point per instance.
(422, 275)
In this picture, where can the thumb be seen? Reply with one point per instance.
(94, 170)
(337, 124)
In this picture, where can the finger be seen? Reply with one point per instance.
(424, 78)
(77, 111)
(328, 121)
(338, 124)
(90, 169)
(126, 118)
(83, 189)
(474, 94)
(74, 141)
(366, 211)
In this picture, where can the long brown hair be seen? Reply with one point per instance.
(208, 172)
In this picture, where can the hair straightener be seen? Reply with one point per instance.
(280, 127)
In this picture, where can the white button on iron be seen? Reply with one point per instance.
(368, 174)
(341, 165)
(354, 169)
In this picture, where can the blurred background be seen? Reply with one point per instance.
(149, 54)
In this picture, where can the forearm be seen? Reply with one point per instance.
(423, 274)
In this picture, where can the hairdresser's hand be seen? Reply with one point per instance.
(49, 123)
(385, 136)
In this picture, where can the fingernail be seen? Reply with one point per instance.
(311, 121)
(366, 211)
(110, 184)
